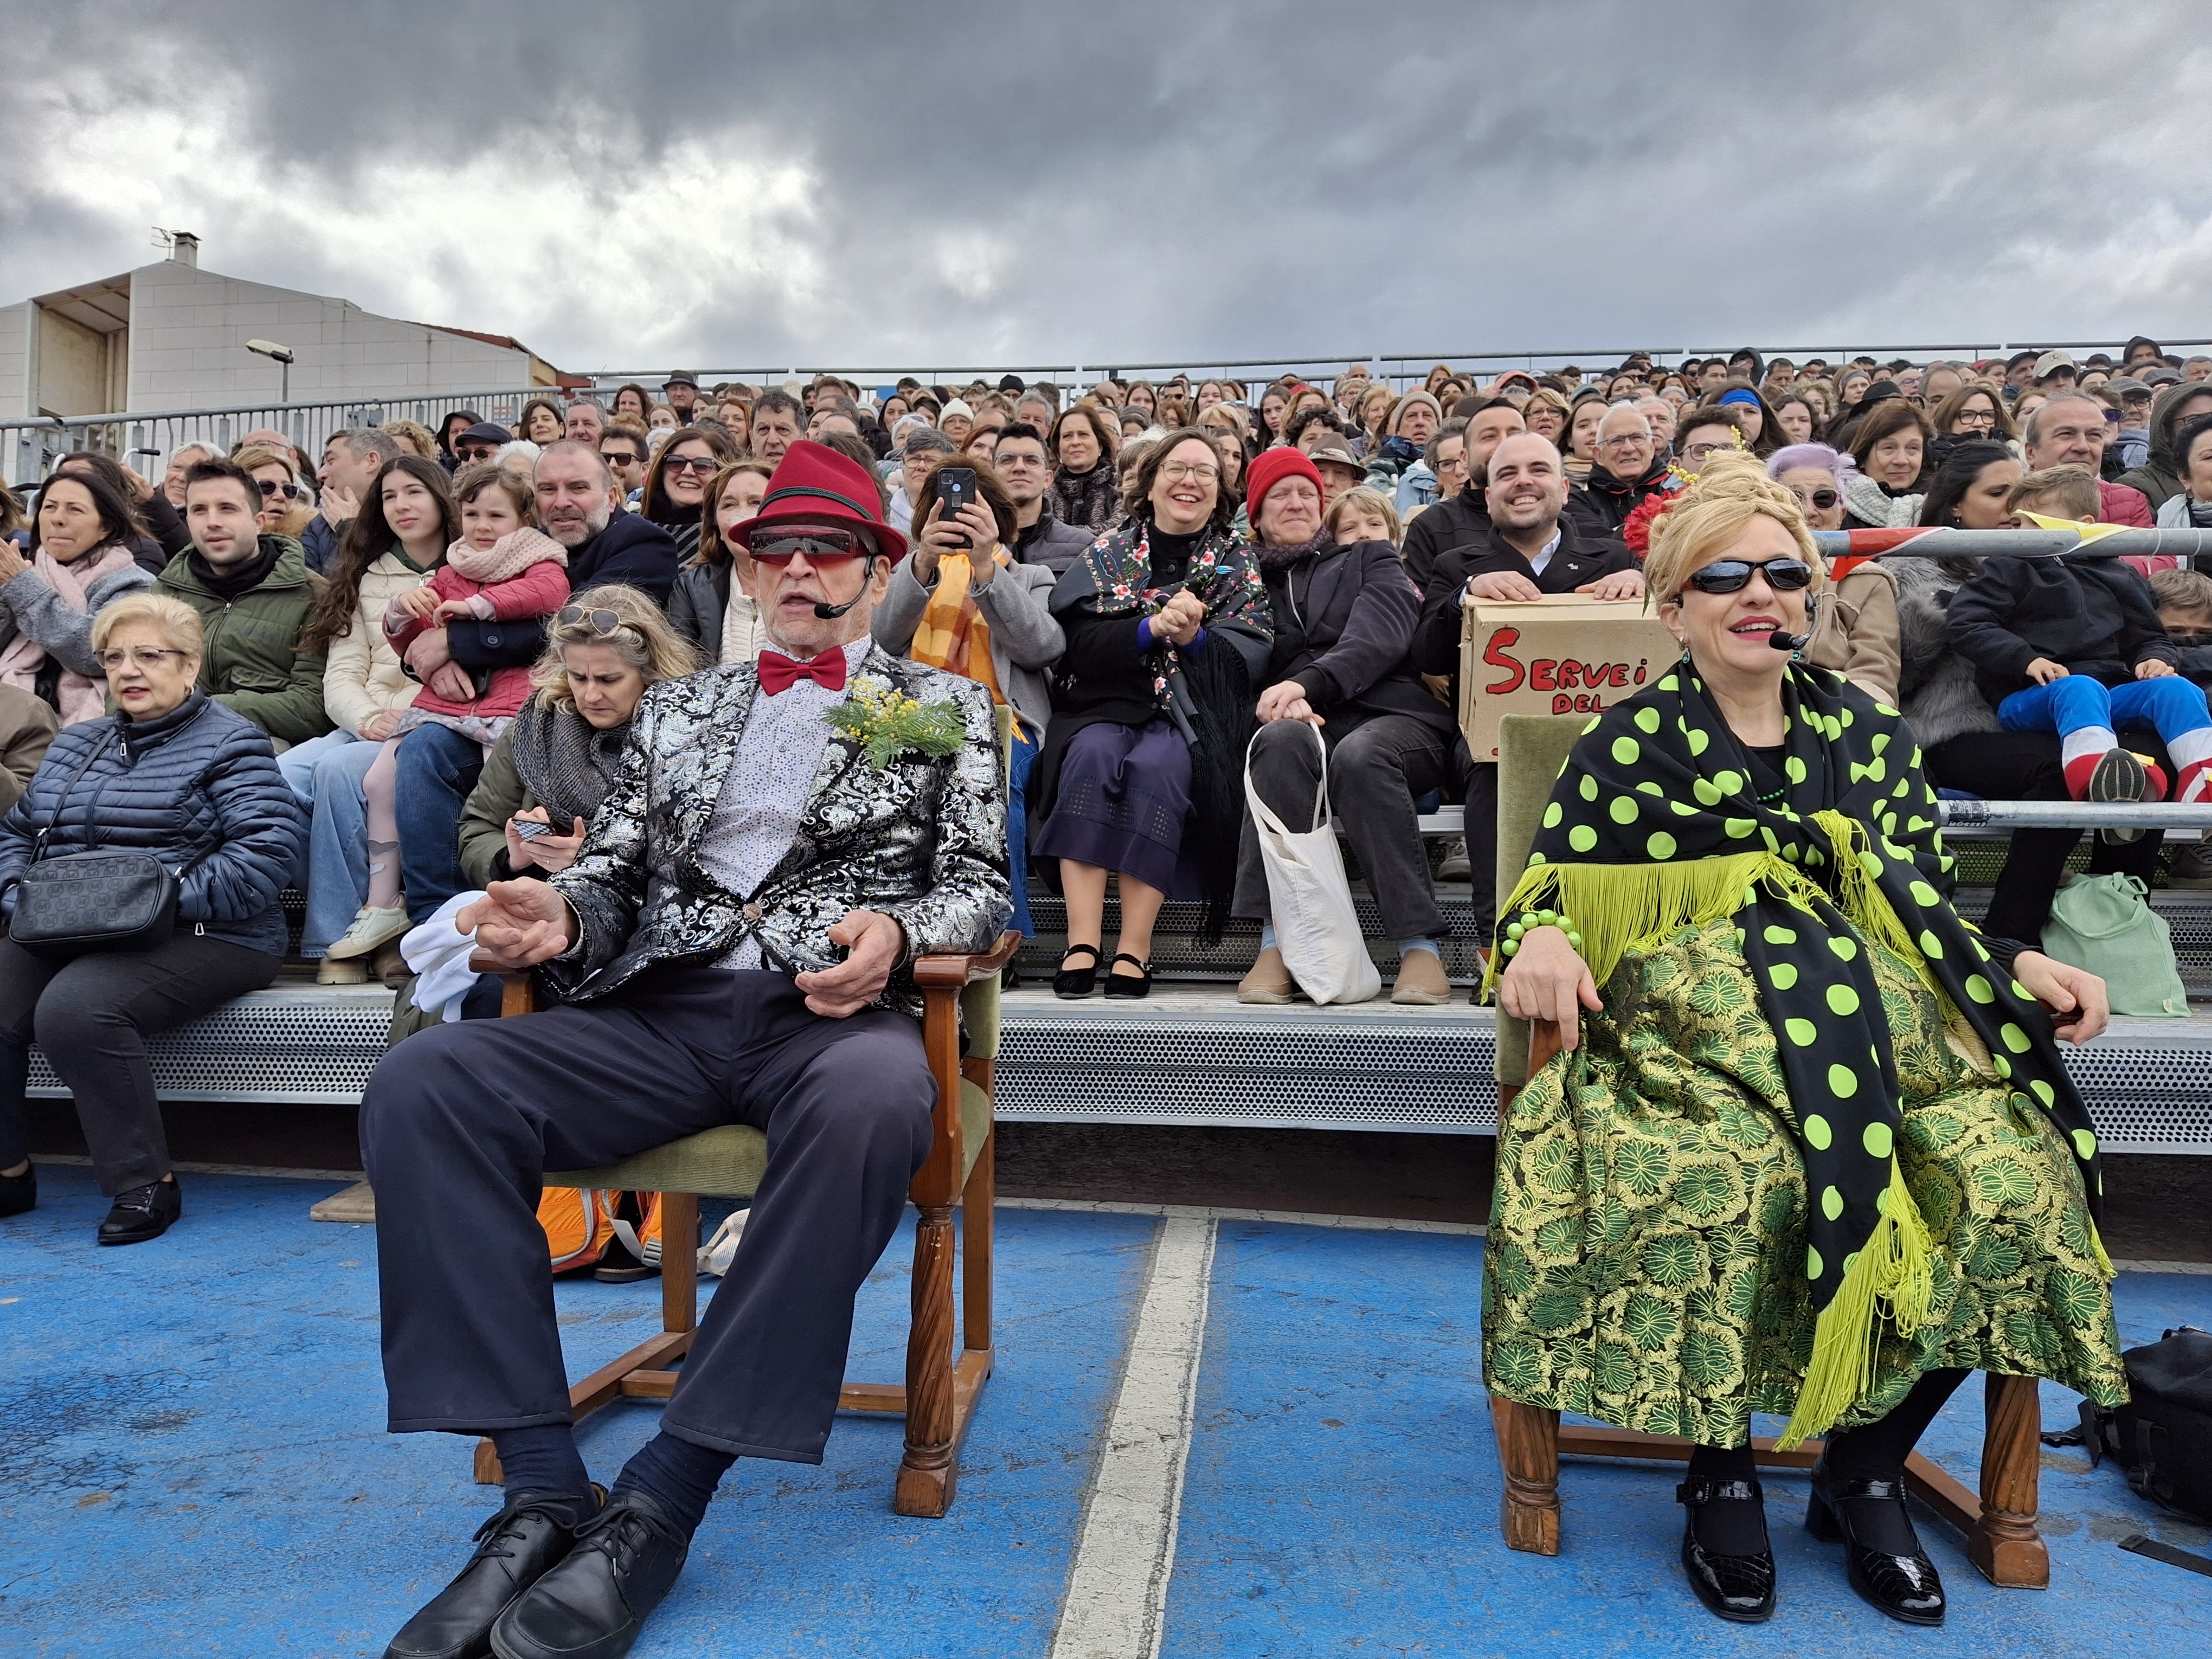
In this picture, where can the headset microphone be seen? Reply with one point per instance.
(831, 613)
(1778, 640)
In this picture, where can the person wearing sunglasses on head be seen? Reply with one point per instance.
(733, 943)
(1855, 629)
(256, 598)
(1763, 1174)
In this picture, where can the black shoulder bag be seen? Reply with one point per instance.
(78, 902)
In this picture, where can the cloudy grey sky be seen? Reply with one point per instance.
(623, 183)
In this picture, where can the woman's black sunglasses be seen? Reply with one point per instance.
(1731, 575)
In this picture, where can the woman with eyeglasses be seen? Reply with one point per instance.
(1142, 770)
(1972, 413)
(80, 559)
(712, 603)
(175, 774)
(675, 493)
(1854, 632)
(1808, 1148)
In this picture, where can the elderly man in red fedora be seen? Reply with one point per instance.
(732, 946)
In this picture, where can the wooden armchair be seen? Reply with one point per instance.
(940, 1394)
(1999, 1521)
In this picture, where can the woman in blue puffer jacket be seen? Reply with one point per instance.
(177, 775)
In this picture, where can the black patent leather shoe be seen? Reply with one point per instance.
(143, 1212)
(1737, 1587)
(514, 1550)
(595, 1603)
(1906, 1587)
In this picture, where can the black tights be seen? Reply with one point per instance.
(1875, 1452)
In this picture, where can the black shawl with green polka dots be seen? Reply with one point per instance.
(1657, 823)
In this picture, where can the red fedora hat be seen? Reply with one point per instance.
(814, 484)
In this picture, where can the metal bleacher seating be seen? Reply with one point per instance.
(1192, 1054)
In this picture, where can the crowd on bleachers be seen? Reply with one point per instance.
(408, 662)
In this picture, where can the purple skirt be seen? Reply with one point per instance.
(1124, 797)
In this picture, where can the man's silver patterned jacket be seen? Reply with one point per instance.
(924, 839)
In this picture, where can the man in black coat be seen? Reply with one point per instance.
(1464, 518)
(580, 504)
(1344, 617)
(1531, 550)
(1629, 467)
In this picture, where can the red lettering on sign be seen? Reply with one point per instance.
(1543, 675)
(1494, 654)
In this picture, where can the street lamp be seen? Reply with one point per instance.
(283, 354)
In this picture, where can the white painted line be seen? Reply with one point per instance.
(1116, 1606)
(1208, 1213)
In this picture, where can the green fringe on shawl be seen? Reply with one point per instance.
(1617, 907)
(1890, 1281)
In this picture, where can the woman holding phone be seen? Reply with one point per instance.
(531, 810)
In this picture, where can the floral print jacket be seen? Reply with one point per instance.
(924, 839)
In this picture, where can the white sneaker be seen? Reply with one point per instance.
(1454, 866)
(371, 927)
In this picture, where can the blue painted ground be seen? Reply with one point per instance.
(1349, 1504)
(190, 1439)
(190, 1442)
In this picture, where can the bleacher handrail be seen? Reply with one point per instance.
(1934, 543)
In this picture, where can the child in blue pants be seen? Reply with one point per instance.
(2073, 644)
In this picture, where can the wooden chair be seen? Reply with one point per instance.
(940, 1394)
(1999, 1521)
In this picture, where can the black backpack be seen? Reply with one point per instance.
(2163, 1436)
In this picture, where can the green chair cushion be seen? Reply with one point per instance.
(728, 1162)
(979, 1017)
(1532, 751)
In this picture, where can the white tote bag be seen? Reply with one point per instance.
(1316, 928)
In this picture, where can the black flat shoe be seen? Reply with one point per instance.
(1737, 1587)
(19, 1193)
(514, 1549)
(1073, 982)
(1138, 984)
(595, 1602)
(144, 1212)
(1906, 1587)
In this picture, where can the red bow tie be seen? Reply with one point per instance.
(778, 672)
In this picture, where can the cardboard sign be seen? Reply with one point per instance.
(1561, 654)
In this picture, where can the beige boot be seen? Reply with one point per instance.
(342, 970)
(1421, 980)
(390, 964)
(1268, 982)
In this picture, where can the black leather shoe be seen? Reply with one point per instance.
(514, 1549)
(19, 1193)
(595, 1603)
(1906, 1587)
(143, 1212)
(1737, 1587)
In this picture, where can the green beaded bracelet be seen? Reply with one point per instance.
(1517, 931)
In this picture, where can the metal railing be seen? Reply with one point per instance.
(144, 440)
(1399, 368)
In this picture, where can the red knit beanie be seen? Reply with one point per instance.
(1269, 468)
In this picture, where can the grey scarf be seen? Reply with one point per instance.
(567, 763)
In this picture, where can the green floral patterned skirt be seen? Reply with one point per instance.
(1645, 1263)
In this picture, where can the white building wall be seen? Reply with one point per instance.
(15, 361)
(189, 329)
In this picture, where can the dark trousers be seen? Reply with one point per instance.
(1374, 771)
(2025, 766)
(92, 1017)
(459, 1122)
(435, 768)
(1479, 788)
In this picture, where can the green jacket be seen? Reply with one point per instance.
(253, 664)
(498, 796)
